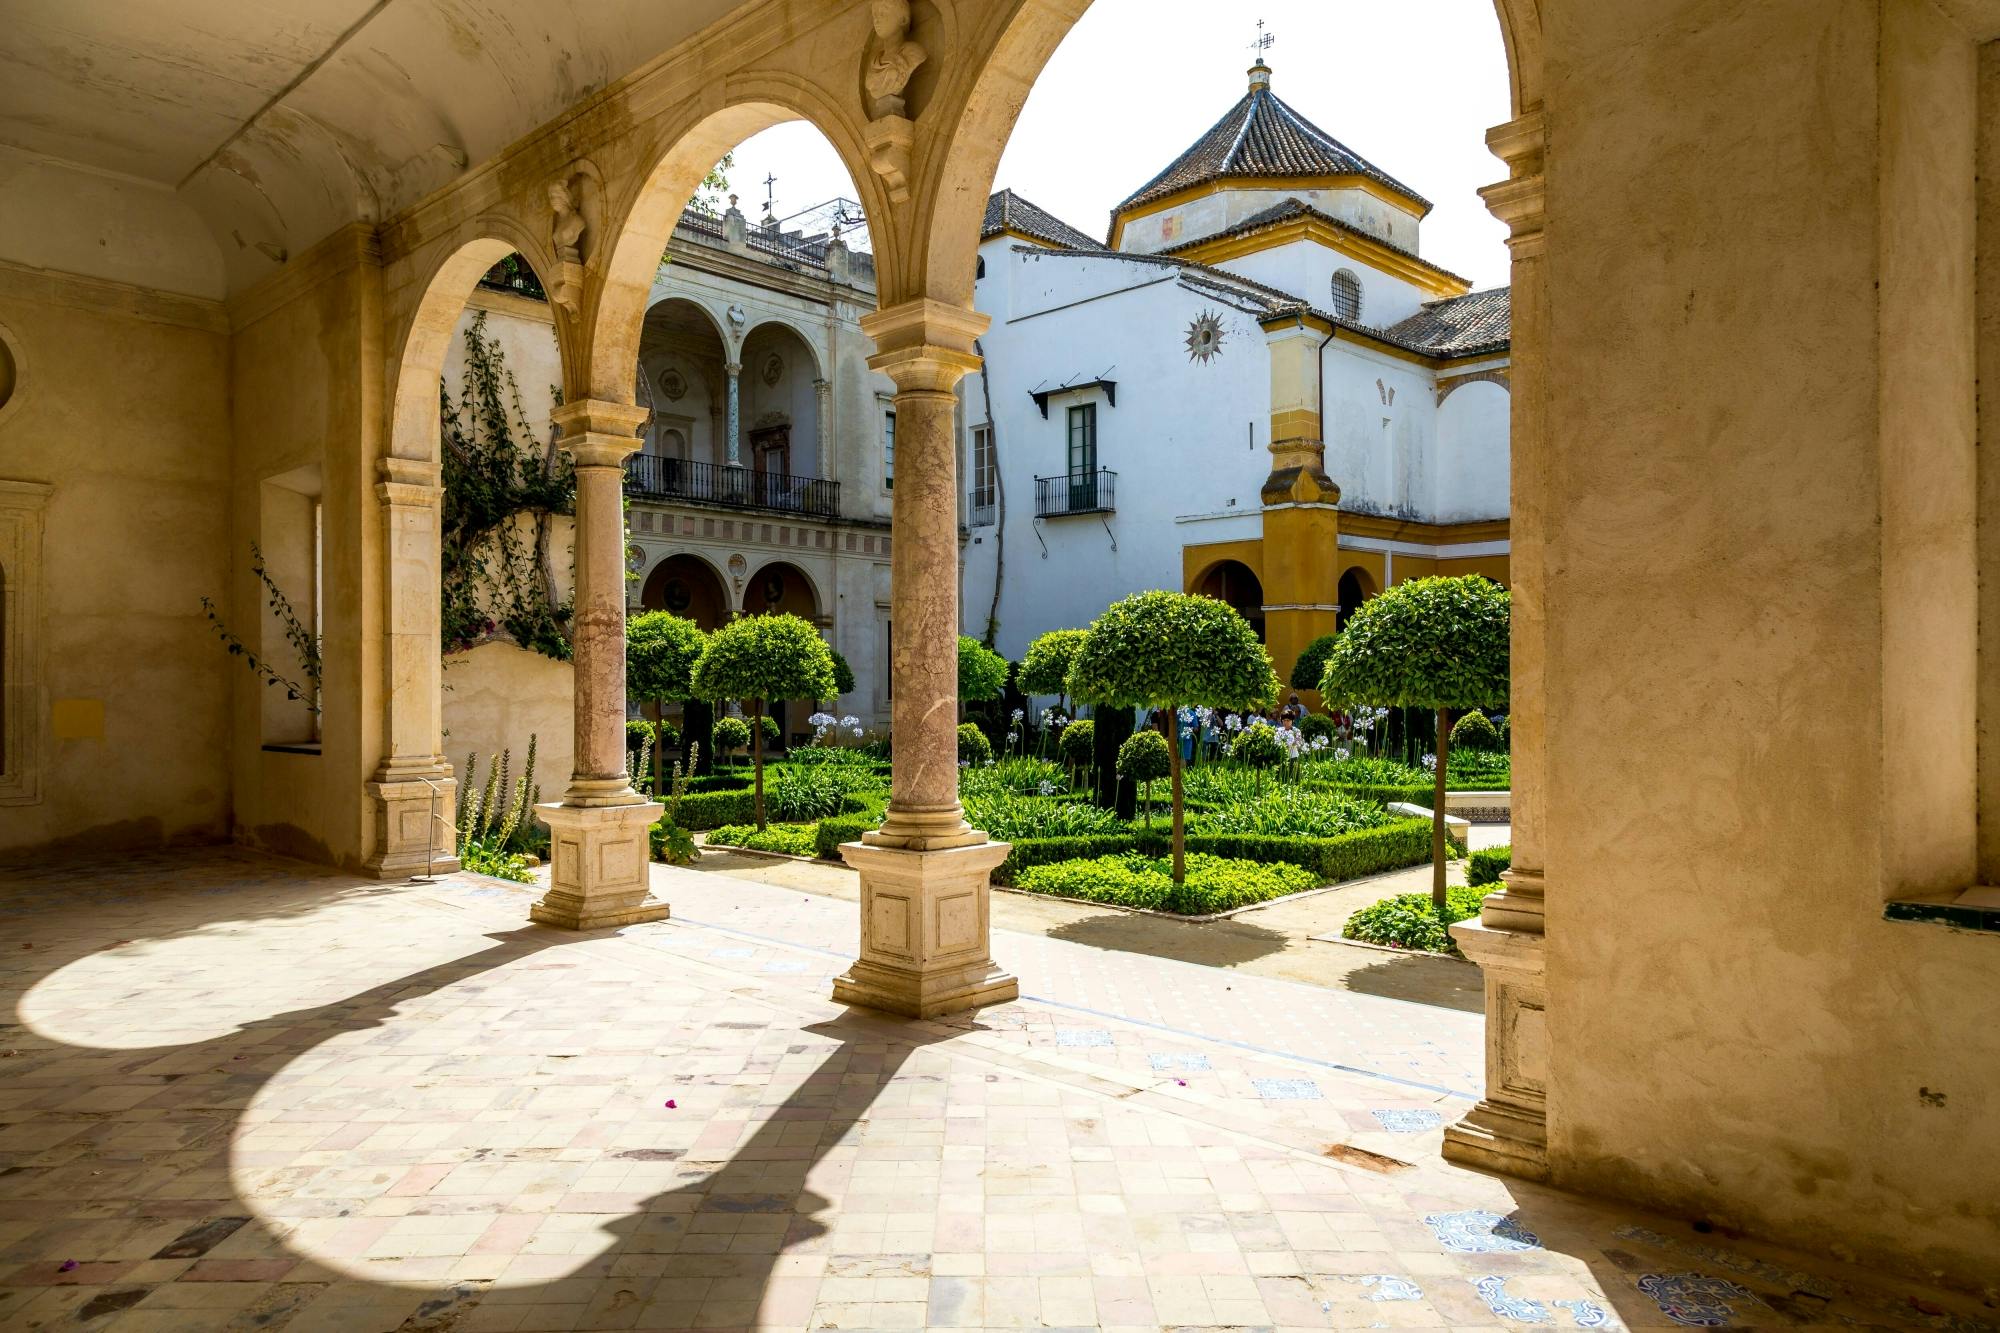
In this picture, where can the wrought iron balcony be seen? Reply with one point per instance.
(1076, 493)
(653, 478)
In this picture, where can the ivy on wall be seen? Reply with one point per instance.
(503, 489)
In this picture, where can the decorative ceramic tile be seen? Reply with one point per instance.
(1389, 1287)
(1179, 1064)
(1493, 1290)
(1083, 1037)
(1695, 1299)
(1286, 1089)
(1789, 1279)
(1408, 1122)
(1479, 1232)
(1587, 1314)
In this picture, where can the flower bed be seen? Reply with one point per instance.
(1410, 920)
(792, 839)
(1130, 879)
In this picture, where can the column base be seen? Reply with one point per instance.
(926, 938)
(598, 857)
(413, 831)
(1507, 1131)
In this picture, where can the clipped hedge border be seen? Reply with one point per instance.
(1406, 842)
(1486, 865)
(714, 809)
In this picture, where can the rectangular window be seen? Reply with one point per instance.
(889, 451)
(985, 482)
(1082, 439)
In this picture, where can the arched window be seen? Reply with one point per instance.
(1346, 296)
(979, 267)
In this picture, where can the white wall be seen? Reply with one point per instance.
(1211, 213)
(1472, 453)
(1306, 268)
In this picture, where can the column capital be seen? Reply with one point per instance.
(924, 344)
(1518, 201)
(408, 483)
(732, 368)
(599, 432)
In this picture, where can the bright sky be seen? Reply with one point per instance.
(1411, 86)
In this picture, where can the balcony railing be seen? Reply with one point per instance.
(1076, 493)
(656, 478)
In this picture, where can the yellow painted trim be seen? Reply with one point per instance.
(1039, 242)
(1197, 560)
(1419, 273)
(1423, 534)
(1352, 181)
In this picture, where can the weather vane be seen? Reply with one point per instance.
(1264, 40)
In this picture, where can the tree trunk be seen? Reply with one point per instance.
(1180, 816)
(757, 758)
(1437, 814)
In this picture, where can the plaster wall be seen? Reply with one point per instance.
(498, 695)
(72, 219)
(1208, 214)
(1307, 268)
(1185, 438)
(524, 332)
(1471, 452)
(1380, 430)
(1734, 1030)
(122, 406)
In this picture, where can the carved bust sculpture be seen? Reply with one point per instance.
(566, 232)
(892, 57)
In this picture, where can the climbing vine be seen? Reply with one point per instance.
(502, 493)
(304, 643)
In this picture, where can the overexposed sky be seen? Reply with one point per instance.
(1411, 86)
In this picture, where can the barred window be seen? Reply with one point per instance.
(1346, 296)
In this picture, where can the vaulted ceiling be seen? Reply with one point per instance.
(276, 121)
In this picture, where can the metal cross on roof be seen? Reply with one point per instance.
(1264, 40)
(770, 195)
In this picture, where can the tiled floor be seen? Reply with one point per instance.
(238, 1094)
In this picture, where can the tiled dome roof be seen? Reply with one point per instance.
(1007, 211)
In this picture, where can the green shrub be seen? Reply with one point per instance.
(1257, 746)
(828, 834)
(1006, 817)
(973, 747)
(982, 673)
(835, 756)
(1078, 744)
(1019, 776)
(801, 795)
(1410, 920)
(793, 839)
(481, 859)
(1485, 865)
(1392, 846)
(1045, 666)
(1475, 731)
(1306, 672)
(637, 732)
(1365, 770)
(671, 843)
(1479, 770)
(1211, 884)
(731, 735)
(712, 809)
(1144, 759)
(1318, 726)
(1293, 812)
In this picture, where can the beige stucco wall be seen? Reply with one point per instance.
(1759, 623)
(495, 697)
(122, 405)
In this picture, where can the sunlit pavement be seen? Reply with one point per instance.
(240, 1093)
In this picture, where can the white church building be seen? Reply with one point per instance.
(1152, 409)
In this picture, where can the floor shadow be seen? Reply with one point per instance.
(1211, 943)
(1435, 981)
(703, 1253)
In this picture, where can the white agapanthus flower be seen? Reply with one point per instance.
(1060, 722)
(859, 733)
(1342, 754)
(1430, 763)
(821, 719)
(1047, 789)
(849, 721)
(1019, 714)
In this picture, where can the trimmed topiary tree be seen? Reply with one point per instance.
(1169, 650)
(973, 747)
(660, 652)
(1078, 745)
(843, 675)
(1429, 643)
(1045, 667)
(761, 658)
(1317, 726)
(982, 673)
(1475, 731)
(1257, 748)
(1144, 759)
(1306, 672)
(731, 734)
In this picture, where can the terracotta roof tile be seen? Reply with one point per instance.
(1007, 211)
(1461, 326)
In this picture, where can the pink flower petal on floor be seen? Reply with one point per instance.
(68, 1265)
(670, 1104)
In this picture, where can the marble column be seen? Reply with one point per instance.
(733, 442)
(823, 426)
(1508, 1130)
(925, 874)
(598, 844)
(412, 794)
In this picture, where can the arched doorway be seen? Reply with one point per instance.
(687, 586)
(781, 588)
(1356, 587)
(1233, 582)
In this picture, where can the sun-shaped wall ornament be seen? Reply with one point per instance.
(1204, 339)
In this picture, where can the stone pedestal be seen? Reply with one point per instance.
(1508, 1130)
(413, 829)
(598, 858)
(926, 939)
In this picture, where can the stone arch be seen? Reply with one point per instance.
(1356, 586)
(781, 415)
(642, 213)
(1235, 583)
(798, 593)
(1447, 385)
(706, 591)
(413, 423)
